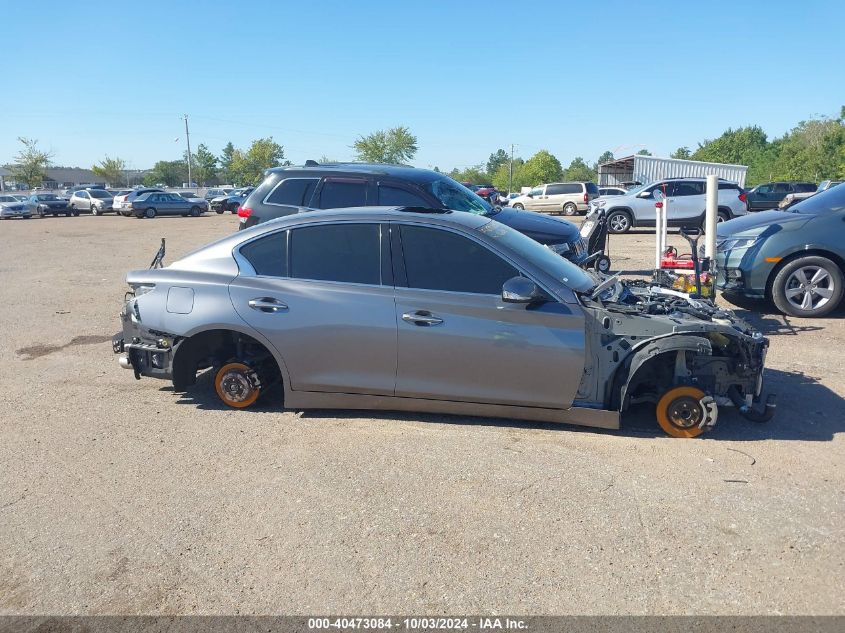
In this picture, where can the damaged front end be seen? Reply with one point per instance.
(688, 356)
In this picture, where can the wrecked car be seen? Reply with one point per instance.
(428, 310)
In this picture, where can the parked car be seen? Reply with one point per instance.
(488, 192)
(687, 204)
(11, 207)
(431, 310)
(506, 199)
(194, 198)
(769, 195)
(44, 204)
(232, 201)
(792, 198)
(568, 198)
(217, 192)
(612, 191)
(123, 204)
(287, 190)
(794, 258)
(153, 203)
(95, 201)
(76, 188)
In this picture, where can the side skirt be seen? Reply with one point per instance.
(581, 416)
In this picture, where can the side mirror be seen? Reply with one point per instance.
(522, 290)
(644, 194)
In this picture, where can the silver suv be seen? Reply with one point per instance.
(568, 198)
(686, 198)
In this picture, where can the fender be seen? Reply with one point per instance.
(650, 349)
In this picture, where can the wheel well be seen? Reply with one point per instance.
(657, 370)
(725, 210)
(790, 258)
(214, 347)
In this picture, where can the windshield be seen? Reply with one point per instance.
(634, 191)
(456, 197)
(544, 258)
(99, 193)
(47, 196)
(828, 201)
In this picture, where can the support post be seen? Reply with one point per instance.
(711, 216)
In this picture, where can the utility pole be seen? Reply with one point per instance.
(510, 173)
(188, 139)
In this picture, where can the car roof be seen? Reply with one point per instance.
(400, 171)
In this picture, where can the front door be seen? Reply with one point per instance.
(686, 203)
(459, 341)
(537, 201)
(322, 297)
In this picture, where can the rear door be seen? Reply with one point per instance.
(338, 192)
(459, 341)
(779, 192)
(687, 203)
(762, 198)
(323, 295)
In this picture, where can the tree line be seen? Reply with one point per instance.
(812, 150)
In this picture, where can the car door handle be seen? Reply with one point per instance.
(267, 304)
(422, 318)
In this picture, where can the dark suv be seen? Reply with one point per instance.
(288, 190)
(769, 195)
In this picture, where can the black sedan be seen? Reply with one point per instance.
(44, 204)
(232, 201)
(151, 204)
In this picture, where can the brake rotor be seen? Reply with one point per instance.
(237, 385)
(681, 413)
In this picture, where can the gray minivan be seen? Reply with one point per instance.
(567, 198)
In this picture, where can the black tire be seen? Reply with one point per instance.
(94, 210)
(150, 213)
(602, 264)
(219, 210)
(75, 213)
(619, 221)
(518, 206)
(195, 212)
(814, 282)
(723, 216)
(570, 208)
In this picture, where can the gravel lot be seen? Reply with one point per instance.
(118, 497)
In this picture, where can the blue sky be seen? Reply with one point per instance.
(98, 78)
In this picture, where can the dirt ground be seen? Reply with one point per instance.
(118, 496)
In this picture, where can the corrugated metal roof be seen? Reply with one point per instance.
(646, 169)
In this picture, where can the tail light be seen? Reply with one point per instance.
(743, 197)
(586, 198)
(244, 212)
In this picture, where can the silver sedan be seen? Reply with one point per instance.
(430, 310)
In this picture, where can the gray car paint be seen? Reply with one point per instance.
(346, 345)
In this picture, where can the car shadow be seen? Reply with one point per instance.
(761, 314)
(814, 416)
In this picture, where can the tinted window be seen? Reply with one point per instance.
(81, 194)
(336, 252)
(764, 189)
(440, 260)
(100, 193)
(687, 188)
(396, 196)
(268, 255)
(337, 194)
(781, 187)
(805, 187)
(293, 191)
(572, 188)
(553, 190)
(592, 188)
(727, 185)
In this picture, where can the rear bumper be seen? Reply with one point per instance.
(145, 352)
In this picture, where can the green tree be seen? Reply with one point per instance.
(247, 168)
(813, 150)
(737, 147)
(644, 152)
(606, 157)
(541, 168)
(112, 170)
(579, 170)
(682, 152)
(394, 146)
(225, 161)
(169, 172)
(475, 174)
(30, 166)
(497, 159)
(205, 166)
(501, 178)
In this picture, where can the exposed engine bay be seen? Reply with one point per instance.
(646, 341)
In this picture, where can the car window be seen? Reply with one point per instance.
(336, 252)
(537, 191)
(397, 196)
(825, 202)
(688, 188)
(805, 187)
(436, 259)
(337, 194)
(592, 188)
(764, 189)
(728, 185)
(782, 187)
(553, 190)
(453, 195)
(293, 191)
(269, 254)
(82, 194)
